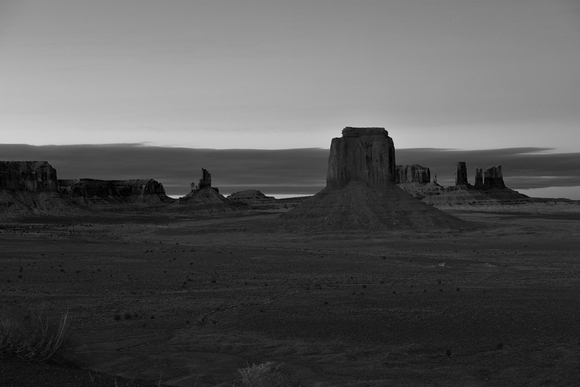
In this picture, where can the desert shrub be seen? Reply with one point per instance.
(263, 375)
(31, 335)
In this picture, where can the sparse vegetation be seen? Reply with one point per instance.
(32, 335)
(263, 375)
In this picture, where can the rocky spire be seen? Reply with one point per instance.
(461, 174)
(205, 180)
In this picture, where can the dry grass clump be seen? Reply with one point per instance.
(31, 335)
(263, 375)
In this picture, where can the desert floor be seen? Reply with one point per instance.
(188, 300)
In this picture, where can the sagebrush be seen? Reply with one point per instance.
(31, 334)
(263, 375)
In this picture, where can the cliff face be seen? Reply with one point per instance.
(461, 174)
(91, 191)
(493, 178)
(478, 178)
(32, 176)
(413, 173)
(365, 155)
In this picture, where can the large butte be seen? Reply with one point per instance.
(361, 193)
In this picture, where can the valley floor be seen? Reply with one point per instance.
(185, 301)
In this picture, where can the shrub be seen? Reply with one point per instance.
(263, 375)
(32, 335)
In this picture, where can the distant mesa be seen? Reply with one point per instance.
(30, 188)
(107, 192)
(413, 173)
(253, 197)
(416, 180)
(31, 176)
(361, 193)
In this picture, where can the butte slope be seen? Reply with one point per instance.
(361, 193)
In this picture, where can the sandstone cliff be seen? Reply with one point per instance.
(32, 176)
(478, 178)
(366, 155)
(413, 173)
(31, 188)
(493, 178)
(106, 192)
(461, 174)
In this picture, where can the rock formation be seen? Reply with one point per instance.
(252, 197)
(416, 180)
(361, 193)
(32, 176)
(478, 178)
(461, 174)
(366, 155)
(493, 178)
(31, 188)
(205, 180)
(413, 173)
(93, 191)
(206, 197)
(489, 189)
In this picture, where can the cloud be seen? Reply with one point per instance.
(290, 171)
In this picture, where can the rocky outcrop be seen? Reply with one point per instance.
(253, 198)
(361, 193)
(493, 178)
(31, 176)
(413, 173)
(206, 198)
(93, 191)
(365, 155)
(31, 188)
(461, 174)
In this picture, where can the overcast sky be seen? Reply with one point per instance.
(468, 74)
(245, 74)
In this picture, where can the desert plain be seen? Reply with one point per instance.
(187, 299)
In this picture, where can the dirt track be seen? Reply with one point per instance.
(189, 301)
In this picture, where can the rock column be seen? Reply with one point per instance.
(461, 174)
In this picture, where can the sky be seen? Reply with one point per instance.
(462, 75)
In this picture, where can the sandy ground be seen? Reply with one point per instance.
(187, 300)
